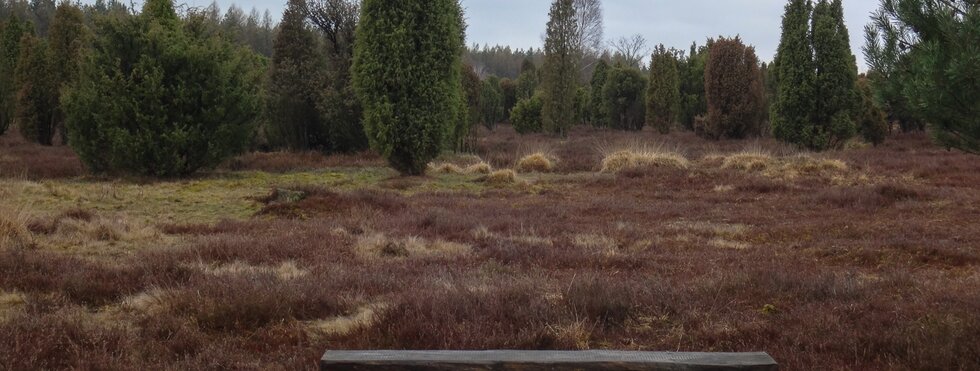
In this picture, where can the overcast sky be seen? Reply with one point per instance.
(521, 23)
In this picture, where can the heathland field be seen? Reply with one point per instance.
(865, 258)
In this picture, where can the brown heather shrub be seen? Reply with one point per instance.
(536, 163)
(306, 202)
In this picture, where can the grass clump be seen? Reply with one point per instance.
(642, 158)
(748, 161)
(502, 177)
(536, 163)
(453, 169)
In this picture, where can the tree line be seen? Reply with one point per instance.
(164, 91)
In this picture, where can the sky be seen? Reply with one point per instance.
(521, 23)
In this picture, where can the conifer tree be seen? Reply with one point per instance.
(294, 84)
(624, 96)
(67, 38)
(923, 55)
(692, 101)
(491, 102)
(508, 88)
(472, 89)
(871, 120)
(407, 62)
(835, 78)
(13, 30)
(734, 91)
(560, 72)
(159, 97)
(37, 96)
(597, 107)
(663, 89)
(528, 81)
(792, 110)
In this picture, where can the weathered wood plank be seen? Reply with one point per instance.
(516, 360)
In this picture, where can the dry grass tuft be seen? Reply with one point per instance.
(13, 229)
(642, 158)
(285, 271)
(502, 177)
(10, 302)
(379, 245)
(479, 168)
(453, 169)
(343, 325)
(748, 161)
(536, 163)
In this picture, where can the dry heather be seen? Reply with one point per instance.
(450, 168)
(642, 158)
(536, 163)
(822, 275)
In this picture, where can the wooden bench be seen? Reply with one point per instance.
(390, 360)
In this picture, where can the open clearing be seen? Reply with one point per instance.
(860, 259)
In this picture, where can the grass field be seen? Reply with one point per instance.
(860, 259)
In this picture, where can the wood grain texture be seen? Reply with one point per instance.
(517, 360)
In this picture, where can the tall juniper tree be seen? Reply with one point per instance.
(13, 30)
(663, 89)
(37, 98)
(293, 83)
(67, 38)
(407, 60)
(792, 110)
(560, 72)
(835, 79)
(597, 107)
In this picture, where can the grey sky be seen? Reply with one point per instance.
(521, 23)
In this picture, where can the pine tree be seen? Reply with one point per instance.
(159, 97)
(597, 108)
(923, 55)
(663, 89)
(836, 75)
(67, 38)
(13, 30)
(293, 85)
(734, 91)
(37, 97)
(560, 73)
(407, 62)
(624, 97)
(792, 110)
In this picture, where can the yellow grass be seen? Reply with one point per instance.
(642, 158)
(536, 163)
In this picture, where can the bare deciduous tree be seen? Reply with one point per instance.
(588, 15)
(631, 50)
(337, 20)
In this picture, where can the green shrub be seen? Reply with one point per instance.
(872, 122)
(734, 91)
(407, 60)
(663, 90)
(624, 95)
(157, 98)
(526, 116)
(37, 98)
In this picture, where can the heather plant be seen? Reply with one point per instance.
(158, 98)
(409, 82)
